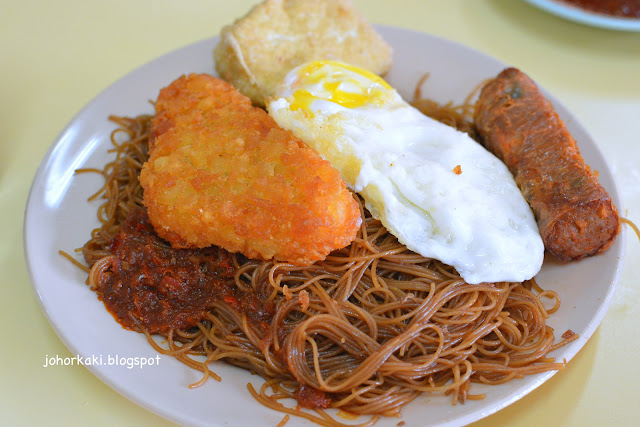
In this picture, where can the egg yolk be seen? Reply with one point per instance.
(343, 84)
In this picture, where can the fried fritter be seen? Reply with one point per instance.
(259, 49)
(221, 172)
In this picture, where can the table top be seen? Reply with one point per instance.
(56, 56)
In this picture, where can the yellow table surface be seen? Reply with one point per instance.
(55, 56)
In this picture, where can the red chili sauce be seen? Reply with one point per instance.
(309, 397)
(153, 286)
(626, 8)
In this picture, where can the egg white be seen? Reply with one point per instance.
(437, 190)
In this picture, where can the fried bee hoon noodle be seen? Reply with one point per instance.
(459, 116)
(366, 331)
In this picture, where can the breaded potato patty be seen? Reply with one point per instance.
(221, 172)
(259, 49)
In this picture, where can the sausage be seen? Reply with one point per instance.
(575, 214)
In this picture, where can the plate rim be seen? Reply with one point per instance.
(477, 415)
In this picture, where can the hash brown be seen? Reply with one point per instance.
(221, 172)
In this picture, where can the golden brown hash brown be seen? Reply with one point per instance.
(221, 172)
(259, 49)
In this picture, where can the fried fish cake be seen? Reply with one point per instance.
(259, 49)
(221, 172)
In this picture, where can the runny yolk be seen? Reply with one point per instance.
(343, 84)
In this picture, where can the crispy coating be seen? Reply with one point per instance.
(221, 172)
(259, 49)
(575, 214)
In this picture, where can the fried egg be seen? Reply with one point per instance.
(437, 190)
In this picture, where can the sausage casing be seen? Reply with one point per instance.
(575, 214)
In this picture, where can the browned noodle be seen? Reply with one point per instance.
(379, 323)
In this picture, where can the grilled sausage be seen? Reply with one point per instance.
(575, 214)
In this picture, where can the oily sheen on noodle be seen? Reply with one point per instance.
(366, 330)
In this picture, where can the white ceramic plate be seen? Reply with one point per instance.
(58, 216)
(583, 16)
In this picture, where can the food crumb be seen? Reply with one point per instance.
(287, 293)
(457, 170)
(303, 299)
(401, 423)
